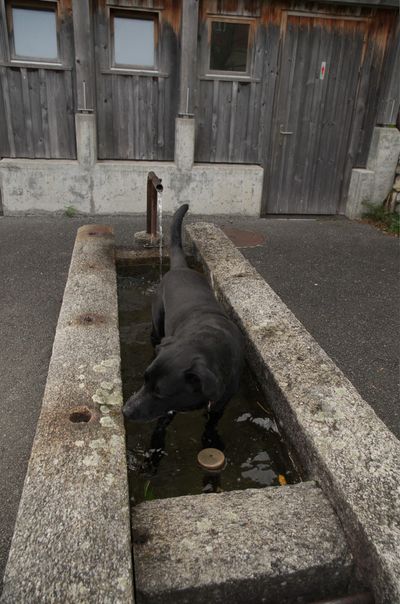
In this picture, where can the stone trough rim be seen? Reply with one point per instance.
(195, 230)
(376, 548)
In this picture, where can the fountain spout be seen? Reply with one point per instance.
(152, 236)
(154, 187)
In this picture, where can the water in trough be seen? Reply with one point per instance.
(166, 465)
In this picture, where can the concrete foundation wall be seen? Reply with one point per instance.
(373, 184)
(382, 159)
(361, 185)
(108, 187)
(210, 189)
(119, 187)
(30, 186)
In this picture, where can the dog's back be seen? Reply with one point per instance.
(185, 292)
(199, 350)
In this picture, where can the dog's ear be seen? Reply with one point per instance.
(205, 381)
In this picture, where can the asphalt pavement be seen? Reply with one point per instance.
(339, 277)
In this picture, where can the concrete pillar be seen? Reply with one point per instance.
(382, 159)
(86, 139)
(184, 142)
(360, 191)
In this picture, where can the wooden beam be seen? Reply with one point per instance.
(188, 71)
(84, 60)
(371, 3)
(389, 100)
(4, 50)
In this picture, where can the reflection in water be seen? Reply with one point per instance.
(162, 455)
(148, 461)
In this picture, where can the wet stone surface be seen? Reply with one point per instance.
(340, 440)
(274, 545)
(75, 498)
(166, 466)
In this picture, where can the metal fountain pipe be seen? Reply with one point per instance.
(154, 186)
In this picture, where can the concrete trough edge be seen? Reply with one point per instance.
(337, 436)
(72, 535)
(277, 544)
(195, 549)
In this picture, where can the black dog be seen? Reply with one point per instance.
(199, 351)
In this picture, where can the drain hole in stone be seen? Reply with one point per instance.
(80, 416)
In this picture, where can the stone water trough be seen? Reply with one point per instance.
(76, 540)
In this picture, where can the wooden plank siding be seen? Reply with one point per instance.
(40, 109)
(188, 68)
(37, 103)
(239, 119)
(256, 108)
(376, 99)
(136, 111)
(305, 172)
(226, 109)
(83, 55)
(390, 82)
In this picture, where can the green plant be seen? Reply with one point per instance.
(148, 492)
(70, 211)
(389, 221)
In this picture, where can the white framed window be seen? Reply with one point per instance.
(33, 32)
(133, 40)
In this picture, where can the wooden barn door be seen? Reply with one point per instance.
(313, 110)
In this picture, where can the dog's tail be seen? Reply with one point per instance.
(177, 257)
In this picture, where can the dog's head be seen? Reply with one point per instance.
(173, 382)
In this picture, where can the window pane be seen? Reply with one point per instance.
(134, 41)
(229, 42)
(35, 33)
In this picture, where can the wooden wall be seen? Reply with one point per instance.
(37, 103)
(304, 169)
(390, 83)
(241, 119)
(234, 117)
(377, 83)
(136, 111)
(229, 111)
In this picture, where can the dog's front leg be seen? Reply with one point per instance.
(210, 436)
(156, 452)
